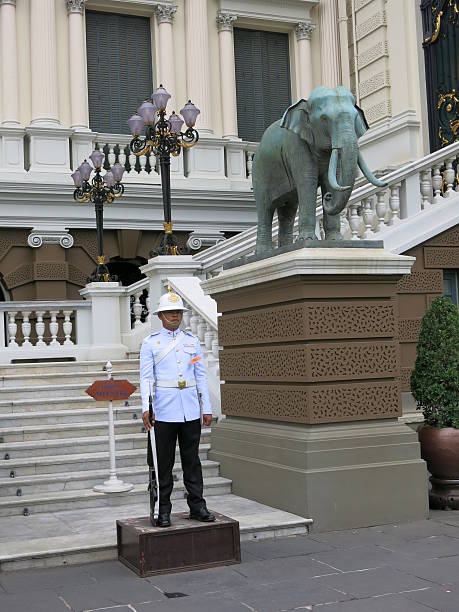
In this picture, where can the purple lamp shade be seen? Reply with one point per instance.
(97, 158)
(148, 112)
(117, 171)
(85, 170)
(109, 179)
(160, 98)
(190, 113)
(176, 123)
(136, 124)
(78, 181)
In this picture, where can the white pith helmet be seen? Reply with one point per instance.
(170, 301)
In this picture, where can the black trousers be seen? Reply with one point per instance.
(189, 435)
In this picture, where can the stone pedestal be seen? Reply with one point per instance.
(312, 396)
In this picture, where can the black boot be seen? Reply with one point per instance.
(153, 494)
(202, 514)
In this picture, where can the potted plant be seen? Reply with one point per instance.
(435, 387)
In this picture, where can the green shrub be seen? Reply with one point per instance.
(435, 378)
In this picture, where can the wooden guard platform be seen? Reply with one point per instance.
(185, 545)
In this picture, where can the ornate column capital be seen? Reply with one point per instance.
(304, 29)
(225, 21)
(75, 6)
(39, 236)
(165, 13)
(2, 2)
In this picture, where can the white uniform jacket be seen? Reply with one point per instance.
(185, 362)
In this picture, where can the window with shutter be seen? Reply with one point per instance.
(119, 68)
(451, 285)
(262, 80)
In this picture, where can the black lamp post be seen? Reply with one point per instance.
(99, 190)
(164, 138)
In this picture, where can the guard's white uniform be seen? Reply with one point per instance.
(185, 362)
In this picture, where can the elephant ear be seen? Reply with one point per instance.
(296, 118)
(361, 125)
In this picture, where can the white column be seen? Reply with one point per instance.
(227, 73)
(45, 109)
(303, 31)
(197, 61)
(10, 84)
(77, 62)
(164, 16)
(329, 43)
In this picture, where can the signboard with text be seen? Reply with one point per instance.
(110, 390)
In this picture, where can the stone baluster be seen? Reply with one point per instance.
(343, 222)
(394, 202)
(449, 177)
(137, 309)
(202, 325)
(40, 327)
(148, 306)
(194, 320)
(321, 228)
(381, 209)
(111, 156)
(53, 327)
(67, 326)
(354, 220)
(12, 328)
(143, 162)
(26, 329)
(122, 156)
(425, 184)
(437, 181)
(215, 351)
(208, 337)
(132, 162)
(186, 319)
(368, 216)
(249, 164)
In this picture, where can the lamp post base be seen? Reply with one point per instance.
(113, 485)
(169, 245)
(101, 274)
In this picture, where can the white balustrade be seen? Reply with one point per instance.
(449, 176)
(437, 181)
(354, 220)
(368, 216)
(67, 327)
(137, 309)
(394, 203)
(26, 328)
(426, 188)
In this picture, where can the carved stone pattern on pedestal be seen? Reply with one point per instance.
(331, 404)
(19, 276)
(77, 276)
(51, 270)
(370, 319)
(409, 329)
(297, 322)
(165, 13)
(376, 82)
(381, 49)
(267, 402)
(75, 6)
(448, 238)
(446, 257)
(263, 325)
(304, 29)
(225, 21)
(405, 376)
(370, 25)
(426, 281)
(310, 363)
(354, 360)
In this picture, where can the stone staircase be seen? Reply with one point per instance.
(54, 440)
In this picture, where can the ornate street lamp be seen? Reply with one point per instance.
(164, 138)
(99, 190)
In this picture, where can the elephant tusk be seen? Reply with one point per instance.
(332, 166)
(368, 173)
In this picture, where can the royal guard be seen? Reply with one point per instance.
(175, 396)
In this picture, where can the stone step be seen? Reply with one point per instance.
(57, 464)
(48, 391)
(72, 500)
(28, 433)
(89, 444)
(87, 479)
(56, 378)
(66, 366)
(82, 415)
(42, 545)
(60, 403)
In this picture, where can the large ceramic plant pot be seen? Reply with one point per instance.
(440, 450)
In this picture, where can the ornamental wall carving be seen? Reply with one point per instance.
(426, 281)
(443, 257)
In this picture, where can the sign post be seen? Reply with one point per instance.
(102, 390)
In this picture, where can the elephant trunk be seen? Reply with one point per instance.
(341, 176)
(368, 173)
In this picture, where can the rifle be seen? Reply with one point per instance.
(153, 486)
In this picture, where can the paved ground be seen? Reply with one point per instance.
(412, 567)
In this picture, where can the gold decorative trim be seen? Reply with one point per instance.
(431, 39)
(167, 227)
(101, 260)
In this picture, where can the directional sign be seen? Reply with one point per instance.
(110, 389)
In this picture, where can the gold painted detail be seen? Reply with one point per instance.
(431, 39)
(167, 227)
(173, 297)
(101, 259)
(182, 384)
